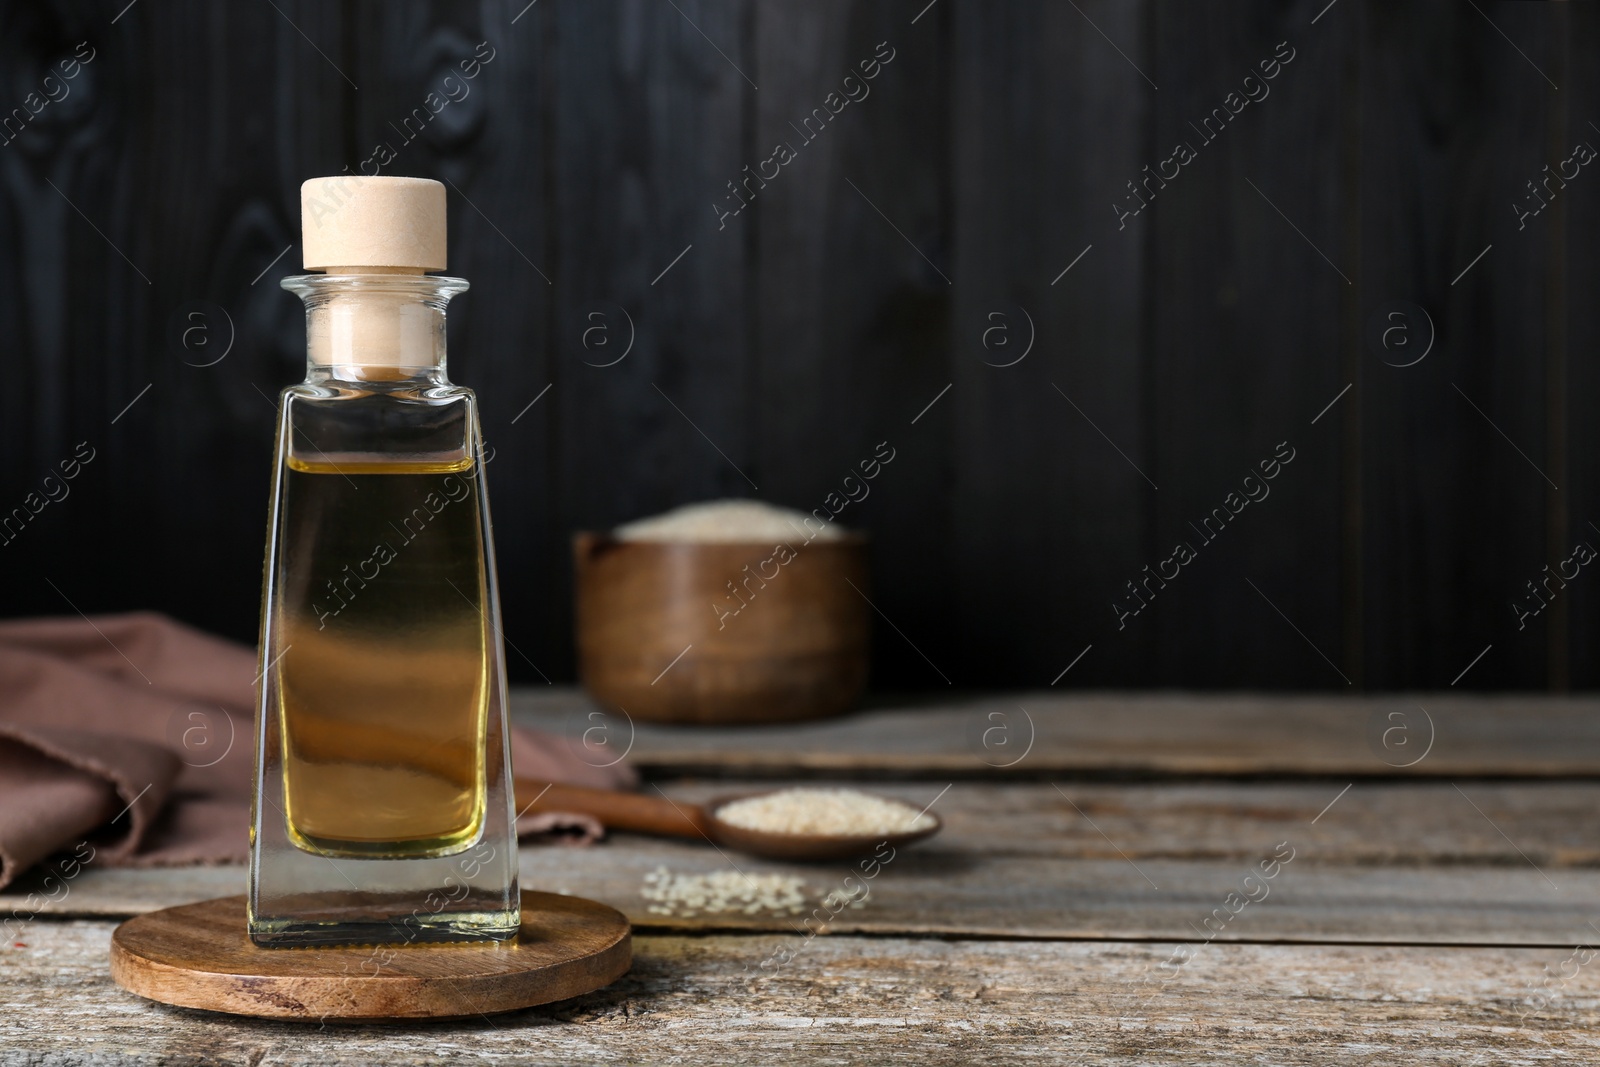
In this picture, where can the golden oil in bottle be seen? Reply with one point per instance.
(383, 684)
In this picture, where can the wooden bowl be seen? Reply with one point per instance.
(695, 632)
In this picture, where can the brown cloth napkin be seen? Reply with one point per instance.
(139, 731)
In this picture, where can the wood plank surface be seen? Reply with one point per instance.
(593, 150)
(844, 360)
(1457, 441)
(1047, 519)
(149, 273)
(1240, 239)
(934, 893)
(884, 1000)
(1579, 333)
(1119, 735)
(1478, 863)
(648, 112)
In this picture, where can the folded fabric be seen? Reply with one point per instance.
(138, 732)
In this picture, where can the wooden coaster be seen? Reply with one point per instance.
(199, 956)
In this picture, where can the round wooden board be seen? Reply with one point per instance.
(199, 956)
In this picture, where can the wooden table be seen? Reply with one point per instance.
(1097, 896)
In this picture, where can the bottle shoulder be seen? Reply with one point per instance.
(349, 419)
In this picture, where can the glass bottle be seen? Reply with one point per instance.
(383, 794)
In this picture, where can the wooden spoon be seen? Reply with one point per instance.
(658, 815)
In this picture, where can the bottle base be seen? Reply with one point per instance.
(462, 927)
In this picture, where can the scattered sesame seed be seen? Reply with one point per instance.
(721, 893)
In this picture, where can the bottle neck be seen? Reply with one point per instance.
(374, 327)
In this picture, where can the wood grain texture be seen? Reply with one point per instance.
(1048, 519)
(939, 890)
(885, 1000)
(647, 125)
(1240, 240)
(1037, 735)
(1405, 863)
(845, 359)
(199, 956)
(1580, 334)
(597, 146)
(1450, 135)
(168, 146)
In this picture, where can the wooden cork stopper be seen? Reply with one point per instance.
(354, 225)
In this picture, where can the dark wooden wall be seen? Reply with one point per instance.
(879, 272)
